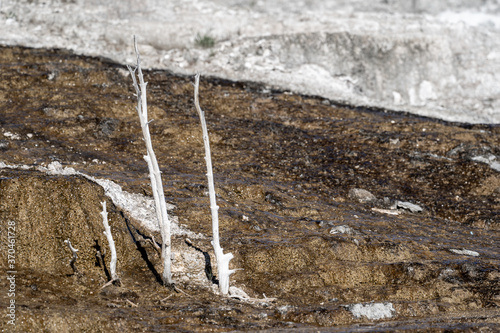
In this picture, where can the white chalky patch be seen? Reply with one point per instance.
(372, 310)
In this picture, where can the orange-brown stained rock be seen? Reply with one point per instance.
(283, 164)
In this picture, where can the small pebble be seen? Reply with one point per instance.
(465, 252)
(361, 195)
(409, 206)
(342, 229)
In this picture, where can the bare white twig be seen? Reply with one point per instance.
(73, 260)
(166, 298)
(109, 236)
(131, 303)
(222, 259)
(154, 169)
(110, 282)
(153, 243)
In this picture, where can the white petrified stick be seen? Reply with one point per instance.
(74, 251)
(154, 170)
(109, 236)
(222, 259)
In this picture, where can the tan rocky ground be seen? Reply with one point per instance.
(286, 170)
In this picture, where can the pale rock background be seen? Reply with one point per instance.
(433, 58)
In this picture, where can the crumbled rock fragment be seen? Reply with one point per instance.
(361, 195)
(236, 292)
(489, 159)
(408, 206)
(342, 229)
(372, 311)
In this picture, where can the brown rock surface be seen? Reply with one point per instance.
(284, 166)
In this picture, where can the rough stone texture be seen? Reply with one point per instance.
(361, 195)
(49, 210)
(284, 165)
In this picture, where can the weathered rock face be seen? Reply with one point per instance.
(433, 58)
(49, 210)
(421, 253)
